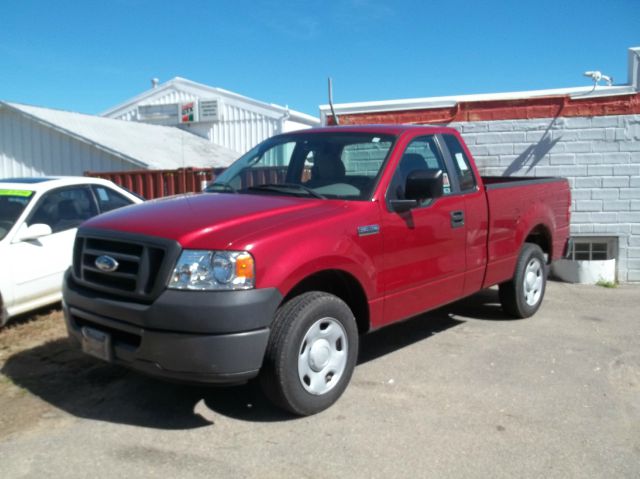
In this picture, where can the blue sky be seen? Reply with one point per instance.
(90, 55)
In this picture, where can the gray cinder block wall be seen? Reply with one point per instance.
(599, 155)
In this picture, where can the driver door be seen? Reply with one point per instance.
(424, 248)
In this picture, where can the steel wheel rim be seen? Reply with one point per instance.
(322, 357)
(533, 282)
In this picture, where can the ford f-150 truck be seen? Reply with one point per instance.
(307, 241)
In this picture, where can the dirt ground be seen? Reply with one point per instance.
(43, 335)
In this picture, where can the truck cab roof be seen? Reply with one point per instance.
(382, 129)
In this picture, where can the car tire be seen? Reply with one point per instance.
(4, 316)
(522, 296)
(311, 354)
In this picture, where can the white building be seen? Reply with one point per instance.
(223, 117)
(38, 141)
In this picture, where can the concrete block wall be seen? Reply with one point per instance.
(365, 159)
(599, 155)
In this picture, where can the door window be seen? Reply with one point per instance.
(108, 199)
(12, 204)
(421, 154)
(64, 209)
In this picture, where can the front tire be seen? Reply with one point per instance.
(311, 354)
(4, 315)
(522, 296)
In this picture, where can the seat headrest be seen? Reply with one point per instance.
(68, 210)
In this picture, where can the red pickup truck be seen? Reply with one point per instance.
(305, 242)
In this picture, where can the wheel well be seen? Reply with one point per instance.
(342, 285)
(541, 236)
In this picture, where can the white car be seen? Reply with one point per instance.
(38, 222)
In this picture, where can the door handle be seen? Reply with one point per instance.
(457, 219)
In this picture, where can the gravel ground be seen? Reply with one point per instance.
(460, 392)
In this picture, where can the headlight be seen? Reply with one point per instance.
(213, 270)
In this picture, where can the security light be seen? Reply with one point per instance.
(597, 75)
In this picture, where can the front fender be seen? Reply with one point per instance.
(7, 286)
(326, 263)
(289, 266)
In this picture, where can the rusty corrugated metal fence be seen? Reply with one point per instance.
(158, 183)
(152, 184)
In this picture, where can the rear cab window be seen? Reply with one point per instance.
(461, 164)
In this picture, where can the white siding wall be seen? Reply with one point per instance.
(171, 97)
(240, 128)
(290, 125)
(28, 148)
(599, 155)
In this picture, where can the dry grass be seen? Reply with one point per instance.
(21, 410)
(30, 330)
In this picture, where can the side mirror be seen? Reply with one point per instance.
(35, 231)
(400, 206)
(424, 184)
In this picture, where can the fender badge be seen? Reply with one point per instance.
(368, 230)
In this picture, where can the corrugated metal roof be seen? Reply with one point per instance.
(149, 146)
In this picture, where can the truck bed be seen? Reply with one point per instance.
(493, 182)
(517, 206)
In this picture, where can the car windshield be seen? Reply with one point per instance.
(334, 165)
(12, 204)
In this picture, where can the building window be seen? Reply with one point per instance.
(593, 248)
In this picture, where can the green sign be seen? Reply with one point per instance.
(25, 193)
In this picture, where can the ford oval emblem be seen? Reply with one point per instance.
(106, 263)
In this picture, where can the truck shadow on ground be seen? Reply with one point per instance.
(484, 305)
(68, 380)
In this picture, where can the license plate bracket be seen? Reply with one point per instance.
(97, 344)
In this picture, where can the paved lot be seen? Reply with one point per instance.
(461, 392)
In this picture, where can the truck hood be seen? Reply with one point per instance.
(213, 220)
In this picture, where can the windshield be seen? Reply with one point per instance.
(336, 165)
(12, 204)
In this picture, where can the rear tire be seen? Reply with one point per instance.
(311, 354)
(522, 296)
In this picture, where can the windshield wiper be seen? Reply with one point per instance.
(279, 187)
(225, 187)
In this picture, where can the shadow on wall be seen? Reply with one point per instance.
(531, 156)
